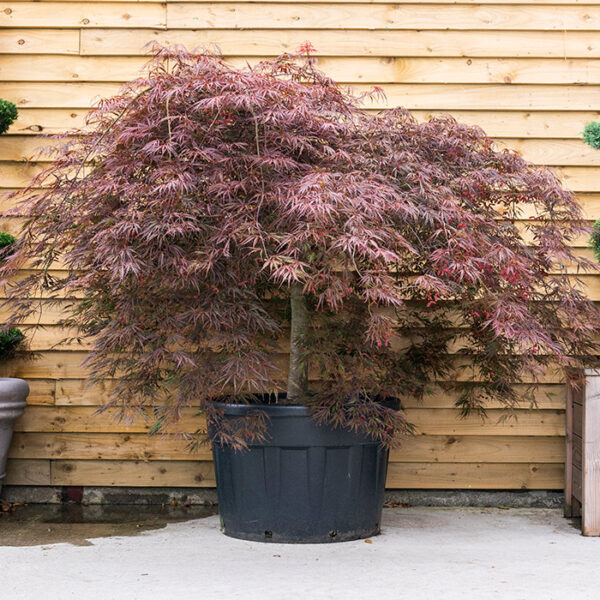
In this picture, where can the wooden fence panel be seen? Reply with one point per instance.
(524, 70)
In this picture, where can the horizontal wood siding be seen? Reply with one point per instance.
(526, 71)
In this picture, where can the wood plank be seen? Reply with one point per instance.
(67, 365)
(577, 484)
(50, 338)
(590, 203)
(568, 502)
(27, 472)
(41, 392)
(484, 97)
(33, 121)
(57, 95)
(590, 515)
(451, 70)
(554, 152)
(197, 473)
(133, 473)
(547, 397)
(82, 14)
(548, 44)
(39, 41)
(580, 179)
(500, 124)
(578, 420)
(531, 2)
(119, 446)
(401, 2)
(46, 338)
(51, 67)
(448, 422)
(357, 69)
(76, 392)
(87, 419)
(26, 148)
(520, 124)
(48, 365)
(301, 15)
(442, 97)
(551, 152)
(577, 451)
(46, 312)
(109, 446)
(427, 421)
(475, 476)
(17, 175)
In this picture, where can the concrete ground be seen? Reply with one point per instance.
(423, 553)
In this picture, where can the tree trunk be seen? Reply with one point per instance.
(297, 385)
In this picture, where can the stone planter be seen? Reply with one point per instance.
(13, 393)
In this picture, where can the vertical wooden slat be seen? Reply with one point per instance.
(568, 507)
(591, 455)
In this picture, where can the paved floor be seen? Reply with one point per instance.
(423, 553)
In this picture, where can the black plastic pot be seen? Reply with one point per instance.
(306, 484)
(13, 393)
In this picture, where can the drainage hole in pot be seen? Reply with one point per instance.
(268, 534)
(332, 534)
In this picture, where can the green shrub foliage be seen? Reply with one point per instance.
(595, 239)
(10, 340)
(6, 239)
(591, 134)
(8, 115)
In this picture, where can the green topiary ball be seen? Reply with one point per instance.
(6, 239)
(591, 134)
(595, 239)
(8, 114)
(10, 339)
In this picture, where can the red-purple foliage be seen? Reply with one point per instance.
(202, 194)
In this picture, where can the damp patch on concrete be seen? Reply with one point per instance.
(79, 525)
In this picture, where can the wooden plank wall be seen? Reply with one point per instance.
(527, 71)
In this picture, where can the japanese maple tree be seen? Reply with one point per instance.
(216, 222)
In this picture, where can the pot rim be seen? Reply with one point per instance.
(273, 410)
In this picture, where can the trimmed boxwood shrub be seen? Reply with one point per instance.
(591, 134)
(8, 115)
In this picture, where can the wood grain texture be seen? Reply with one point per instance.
(138, 446)
(82, 14)
(356, 69)
(439, 97)
(525, 71)
(201, 474)
(568, 503)
(133, 473)
(550, 152)
(475, 476)
(427, 421)
(331, 16)
(77, 392)
(28, 472)
(500, 124)
(590, 513)
(39, 41)
(517, 44)
(367, 2)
